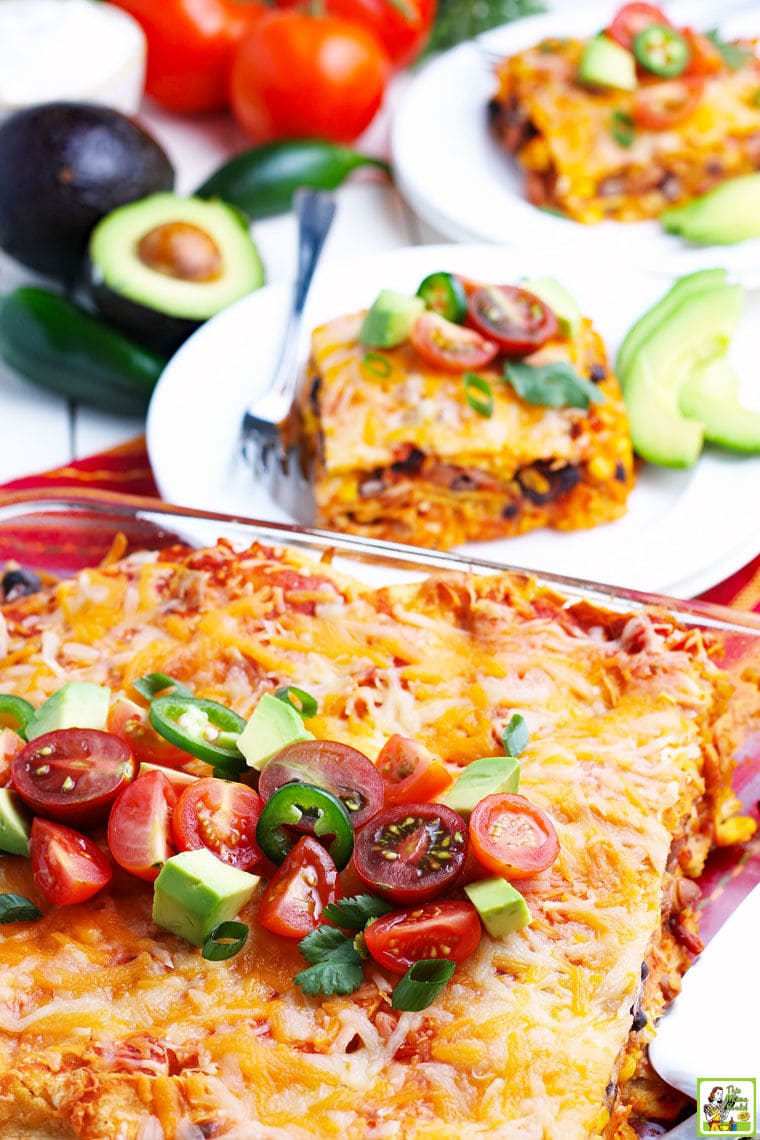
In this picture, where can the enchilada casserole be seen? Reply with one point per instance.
(111, 1026)
(672, 130)
(404, 449)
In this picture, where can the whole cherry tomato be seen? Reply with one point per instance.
(302, 76)
(402, 26)
(190, 47)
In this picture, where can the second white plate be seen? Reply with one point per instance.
(684, 530)
(464, 184)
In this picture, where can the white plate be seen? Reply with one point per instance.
(684, 530)
(464, 184)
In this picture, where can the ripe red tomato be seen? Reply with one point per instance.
(409, 773)
(402, 26)
(635, 18)
(222, 816)
(129, 721)
(660, 106)
(303, 76)
(342, 770)
(705, 59)
(10, 746)
(139, 826)
(512, 837)
(300, 889)
(451, 347)
(190, 47)
(73, 774)
(410, 853)
(67, 867)
(518, 321)
(444, 929)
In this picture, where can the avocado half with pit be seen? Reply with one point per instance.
(160, 267)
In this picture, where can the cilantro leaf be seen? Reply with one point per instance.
(336, 965)
(734, 56)
(555, 385)
(515, 735)
(354, 913)
(458, 20)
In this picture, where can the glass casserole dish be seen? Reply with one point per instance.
(59, 535)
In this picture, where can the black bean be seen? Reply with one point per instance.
(597, 373)
(18, 583)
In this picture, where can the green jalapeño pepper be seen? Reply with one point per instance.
(15, 712)
(205, 729)
(662, 51)
(304, 808)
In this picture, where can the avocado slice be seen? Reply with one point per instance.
(605, 63)
(695, 333)
(646, 324)
(711, 395)
(482, 778)
(15, 823)
(564, 307)
(77, 704)
(724, 216)
(501, 907)
(160, 267)
(195, 891)
(390, 319)
(272, 725)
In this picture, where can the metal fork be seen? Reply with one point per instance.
(269, 432)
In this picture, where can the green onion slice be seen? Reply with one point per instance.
(303, 702)
(151, 684)
(16, 908)
(16, 710)
(623, 129)
(225, 941)
(483, 403)
(377, 365)
(422, 983)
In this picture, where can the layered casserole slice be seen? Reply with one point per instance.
(405, 449)
(112, 1027)
(627, 145)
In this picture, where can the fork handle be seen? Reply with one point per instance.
(315, 211)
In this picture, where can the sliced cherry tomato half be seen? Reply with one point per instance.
(516, 320)
(139, 826)
(343, 770)
(67, 867)
(409, 773)
(705, 57)
(129, 721)
(661, 50)
(10, 746)
(512, 837)
(659, 106)
(73, 774)
(443, 929)
(410, 853)
(301, 887)
(449, 346)
(222, 816)
(632, 19)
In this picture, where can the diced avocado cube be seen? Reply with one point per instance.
(565, 308)
(273, 724)
(605, 63)
(15, 823)
(482, 778)
(77, 704)
(501, 907)
(389, 321)
(195, 891)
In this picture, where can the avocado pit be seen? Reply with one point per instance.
(181, 250)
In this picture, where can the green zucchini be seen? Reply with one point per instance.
(261, 181)
(54, 343)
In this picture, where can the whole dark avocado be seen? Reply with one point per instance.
(64, 166)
